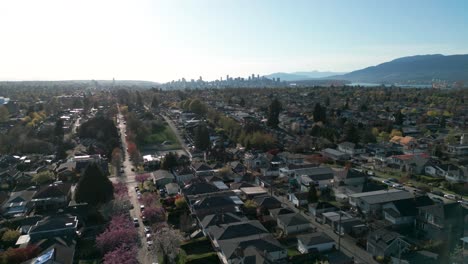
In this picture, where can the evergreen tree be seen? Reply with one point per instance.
(320, 113)
(58, 131)
(273, 113)
(312, 195)
(94, 187)
(155, 102)
(169, 162)
(202, 138)
(399, 117)
(351, 133)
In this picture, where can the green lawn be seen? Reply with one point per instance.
(292, 251)
(159, 137)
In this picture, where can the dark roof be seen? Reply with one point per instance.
(355, 174)
(293, 219)
(53, 223)
(202, 167)
(235, 230)
(221, 219)
(64, 249)
(212, 202)
(162, 174)
(301, 195)
(238, 185)
(199, 188)
(267, 243)
(280, 211)
(314, 239)
(320, 173)
(301, 166)
(267, 201)
(53, 190)
(322, 205)
(382, 236)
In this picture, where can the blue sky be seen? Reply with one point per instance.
(165, 40)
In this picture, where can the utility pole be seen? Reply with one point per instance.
(339, 232)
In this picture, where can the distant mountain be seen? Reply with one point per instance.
(301, 76)
(420, 69)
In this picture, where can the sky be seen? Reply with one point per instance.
(167, 40)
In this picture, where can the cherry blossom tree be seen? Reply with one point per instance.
(141, 178)
(119, 232)
(154, 214)
(120, 190)
(121, 255)
(148, 199)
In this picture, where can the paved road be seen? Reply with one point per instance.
(348, 246)
(177, 133)
(144, 256)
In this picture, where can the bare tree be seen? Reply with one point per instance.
(167, 241)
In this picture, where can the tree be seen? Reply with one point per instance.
(148, 199)
(399, 117)
(94, 187)
(167, 240)
(121, 255)
(180, 202)
(119, 232)
(19, 255)
(351, 133)
(242, 102)
(198, 107)
(202, 138)
(169, 162)
(141, 178)
(120, 189)
(4, 114)
(43, 177)
(117, 158)
(320, 113)
(395, 132)
(10, 236)
(312, 195)
(273, 113)
(58, 130)
(155, 102)
(154, 214)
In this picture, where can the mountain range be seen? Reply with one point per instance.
(419, 69)
(414, 69)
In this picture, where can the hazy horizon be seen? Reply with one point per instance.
(166, 40)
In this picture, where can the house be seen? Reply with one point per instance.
(413, 163)
(404, 211)
(350, 177)
(220, 219)
(299, 199)
(204, 206)
(202, 169)
(66, 171)
(81, 162)
(184, 174)
(162, 177)
(291, 158)
(293, 223)
(457, 150)
(274, 213)
(351, 148)
(58, 250)
(251, 192)
(335, 155)
(246, 240)
(321, 177)
(292, 170)
(386, 243)
(199, 187)
(441, 221)
(53, 226)
(316, 209)
(370, 203)
(267, 202)
(18, 204)
(52, 196)
(238, 167)
(314, 241)
(406, 142)
(416, 257)
(172, 188)
(256, 161)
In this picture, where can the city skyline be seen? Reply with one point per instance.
(167, 40)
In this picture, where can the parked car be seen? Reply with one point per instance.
(398, 186)
(393, 180)
(147, 230)
(135, 222)
(387, 182)
(450, 196)
(142, 207)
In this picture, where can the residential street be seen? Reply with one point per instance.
(348, 246)
(128, 177)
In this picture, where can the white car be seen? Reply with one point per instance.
(398, 186)
(450, 196)
(387, 182)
